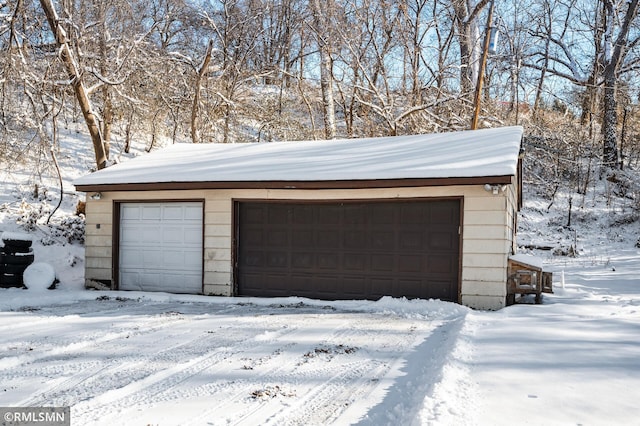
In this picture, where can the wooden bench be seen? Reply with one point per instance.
(525, 277)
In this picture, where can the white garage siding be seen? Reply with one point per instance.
(160, 247)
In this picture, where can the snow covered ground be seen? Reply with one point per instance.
(140, 358)
(135, 358)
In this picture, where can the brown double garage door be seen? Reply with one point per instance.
(349, 250)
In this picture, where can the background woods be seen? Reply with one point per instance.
(161, 71)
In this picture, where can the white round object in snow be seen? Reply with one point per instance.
(39, 276)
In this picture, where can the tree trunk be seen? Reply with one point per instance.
(614, 57)
(107, 119)
(107, 105)
(469, 41)
(195, 133)
(545, 64)
(467, 65)
(326, 72)
(610, 121)
(76, 80)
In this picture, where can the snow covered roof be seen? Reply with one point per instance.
(527, 259)
(465, 154)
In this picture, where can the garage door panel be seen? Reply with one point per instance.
(330, 215)
(278, 215)
(253, 258)
(347, 250)
(140, 235)
(354, 214)
(444, 215)
(355, 239)
(149, 235)
(277, 238)
(130, 212)
(300, 283)
(355, 262)
(180, 283)
(150, 281)
(410, 288)
(326, 285)
(273, 283)
(381, 286)
(410, 215)
(441, 264)
(130, 235)
(328, 261)
(381, 239)
(254, 237)
(302, 238)
(172, 234)
(192, 235)
(133, 259)
(150, 212)
(173, 213)
(303, 215)
(172, 259)
(443, 240)
(192, 259)
(382, 262)
(132, 278)
(152, 258)
(160, 247)
(254, 282)
(303, 261)
(440, 289)
(382, 215)
(329, 239)
(193, 213)
(277, 259)
(410, 263)
(354, 287)
(411, 240)
(254, 215)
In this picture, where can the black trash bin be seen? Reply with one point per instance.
(15, 257)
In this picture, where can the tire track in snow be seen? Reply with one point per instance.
(328, 399)
(80, 342)
(329, 395)
(85, 378)
(149, 390)
(96, 314)
(217, 371)
(326, 402)
(162, 387)
(404, 400)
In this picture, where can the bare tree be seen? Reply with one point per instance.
(76, 80)
(610, 23)
(614, 55)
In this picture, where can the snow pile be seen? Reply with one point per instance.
(39, 276)
(16, 236)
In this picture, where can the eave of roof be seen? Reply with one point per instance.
(331, 184)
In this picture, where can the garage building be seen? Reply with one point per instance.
(420, 216)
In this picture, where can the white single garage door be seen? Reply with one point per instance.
(160, 247)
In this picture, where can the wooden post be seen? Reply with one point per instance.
(483, 64)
